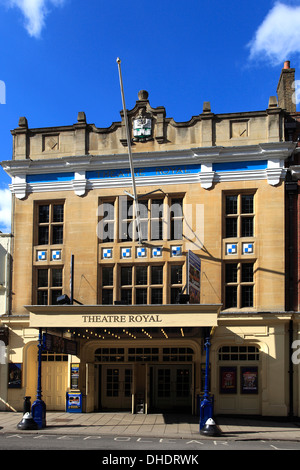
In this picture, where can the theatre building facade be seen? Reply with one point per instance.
(123, 314)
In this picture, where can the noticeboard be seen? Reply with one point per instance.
(74, 402)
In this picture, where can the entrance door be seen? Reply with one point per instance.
(54, 384)
(116, 390)
(171, 387)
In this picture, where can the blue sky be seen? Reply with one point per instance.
(58, 57)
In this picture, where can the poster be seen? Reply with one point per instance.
(14, 375)
(249, 380)
(74, 376)
(228, 379)
(194, 277)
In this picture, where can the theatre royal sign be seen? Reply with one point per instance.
(65, 316)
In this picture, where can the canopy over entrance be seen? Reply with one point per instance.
(119, 316)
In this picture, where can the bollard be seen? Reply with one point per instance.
(27, 422)
(210, 428)
(27, 405)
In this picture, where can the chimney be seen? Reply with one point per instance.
(285, 88)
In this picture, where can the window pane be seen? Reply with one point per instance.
(231, 227)
(247, 272)
(141, 275)
(44, 214)
(144, 229)
(43, 278)
(143, 208)
(156, 229)
(247, 226)
(107, 276)
(42, 298)
(107, 297)
(175, 291)
(247, 204)
(107, 234)
(58, 213)
(176, 208)
(126, 276)
(247, 296)
(156, 208)
(176, 229)
(57, 234)
(54, 294)
(231, 204)
(56, 277)
(176, 274)
(108, 210)
(156, 296)
(231, 272)
(126, 296)
(231, 296)
(156, 274)
(43, 235)
(141, 296)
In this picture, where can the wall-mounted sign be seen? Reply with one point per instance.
(59, 345)
(228, 379)
(249, 380)
(14, 375)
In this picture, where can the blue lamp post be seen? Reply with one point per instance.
(38, 409)
(206, 405)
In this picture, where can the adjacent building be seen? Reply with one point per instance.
(5, 291)
(123, 312)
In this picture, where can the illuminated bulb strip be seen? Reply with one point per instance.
(164, 333)
(146, 333)
(129, 334)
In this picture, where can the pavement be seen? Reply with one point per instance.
(179, 426)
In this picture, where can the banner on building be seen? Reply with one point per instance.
(59, 345)
(194, 277)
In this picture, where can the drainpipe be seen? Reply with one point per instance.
(292, 191)
(291, 371)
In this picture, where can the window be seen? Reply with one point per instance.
(239, 285)
(141, 284)
(153, 212)
(157, 219)
(106, 226)
(239, 215)
(176, 282)
(49, 285)
(107, 282)
(176, 219)
(238, 353)
(50, 218)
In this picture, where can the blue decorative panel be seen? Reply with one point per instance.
(240, 166)
(247, 248)
(231, 248)
(176, 250)
(141, 252)
(41, 255)
(126, 252)
(156, 252)
(50, 177)
(106, 253)
(56, 255)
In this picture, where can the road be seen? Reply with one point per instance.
(115, 445)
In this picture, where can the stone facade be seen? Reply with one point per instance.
(221, 180)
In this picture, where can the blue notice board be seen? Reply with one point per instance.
(74, 402)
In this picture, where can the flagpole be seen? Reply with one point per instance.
(137, 212)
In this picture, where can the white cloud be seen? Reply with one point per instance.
(5, 210)
(35, 12)
(278, 37)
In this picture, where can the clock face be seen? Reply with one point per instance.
(239, 129)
